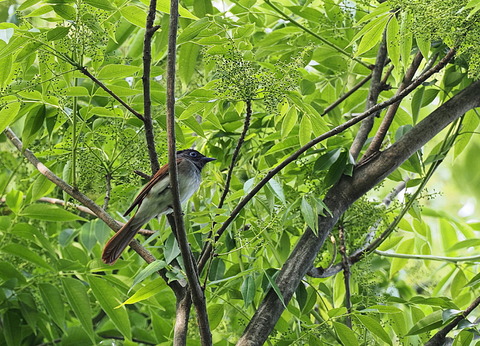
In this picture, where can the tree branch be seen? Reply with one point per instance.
(376, 88)
(147, 102)
(196, 291)
(392, 110)
(439, 338)
(340, 197)
(347, 94)
(84, 70)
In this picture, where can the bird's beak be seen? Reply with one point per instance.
(208, 159)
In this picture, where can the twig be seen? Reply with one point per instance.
(313, 142)
(392, 110)
(439, 338)
(429, 257)
(147, 101)
(347, 94)
(246, 125)
(328, 43)
(196, 291)
(236, 152)
(346, 275)
(84, 70)
(374, 91)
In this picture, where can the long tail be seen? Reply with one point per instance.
(115, 246)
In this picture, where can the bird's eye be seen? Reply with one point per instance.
(193, 154)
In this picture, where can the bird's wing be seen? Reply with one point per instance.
(161, 173)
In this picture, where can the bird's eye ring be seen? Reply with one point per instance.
(193, 154)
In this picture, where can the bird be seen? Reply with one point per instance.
(156, 199)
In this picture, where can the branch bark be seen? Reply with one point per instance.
(147, 102)
(197, 294)
(376, 88)
(340, 197)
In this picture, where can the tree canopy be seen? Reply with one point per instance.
(321, 222)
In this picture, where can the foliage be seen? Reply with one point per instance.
(53, 285)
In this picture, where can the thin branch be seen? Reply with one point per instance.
(84, 70)
(346, 276)
(429, 257)
(87, 202)
(108, 190)
(377, 140)
(318, 37)
(439, 338)
(147, 101)
(315, 141)
(196, 291)
(347, 94)
(374, 91)
(236, 152)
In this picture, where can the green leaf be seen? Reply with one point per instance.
(148, 270)
(26, 254)
(406, 247)
(309, 214)
(171, 249)
(327, 160)
(192, 30)
(188, 56)
(164, 6)
(77, 297)
(215, 315)
(49, 212)
(14, 200)
(305, 131)
(149, 290)
(8, 114)
(274, 286)
(345, 334)
(65, 11)
(428, 323)
(375, 328)
(101, 4)
(134, 15)
(118, 71)
(57, 33)
(424, 45)
(372, 34)
(41, 187)
(6, 70)
(52, 299)
(289, 121)
(13, 45)
(11, 322)
(108, 300)
(77, 91)
(277, 189)
(33, 124)
(248, 290)
(392, 40)
(8, 271)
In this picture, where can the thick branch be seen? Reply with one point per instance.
(147, 102)
(340, 197)
(198, 297)
(376, 88)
